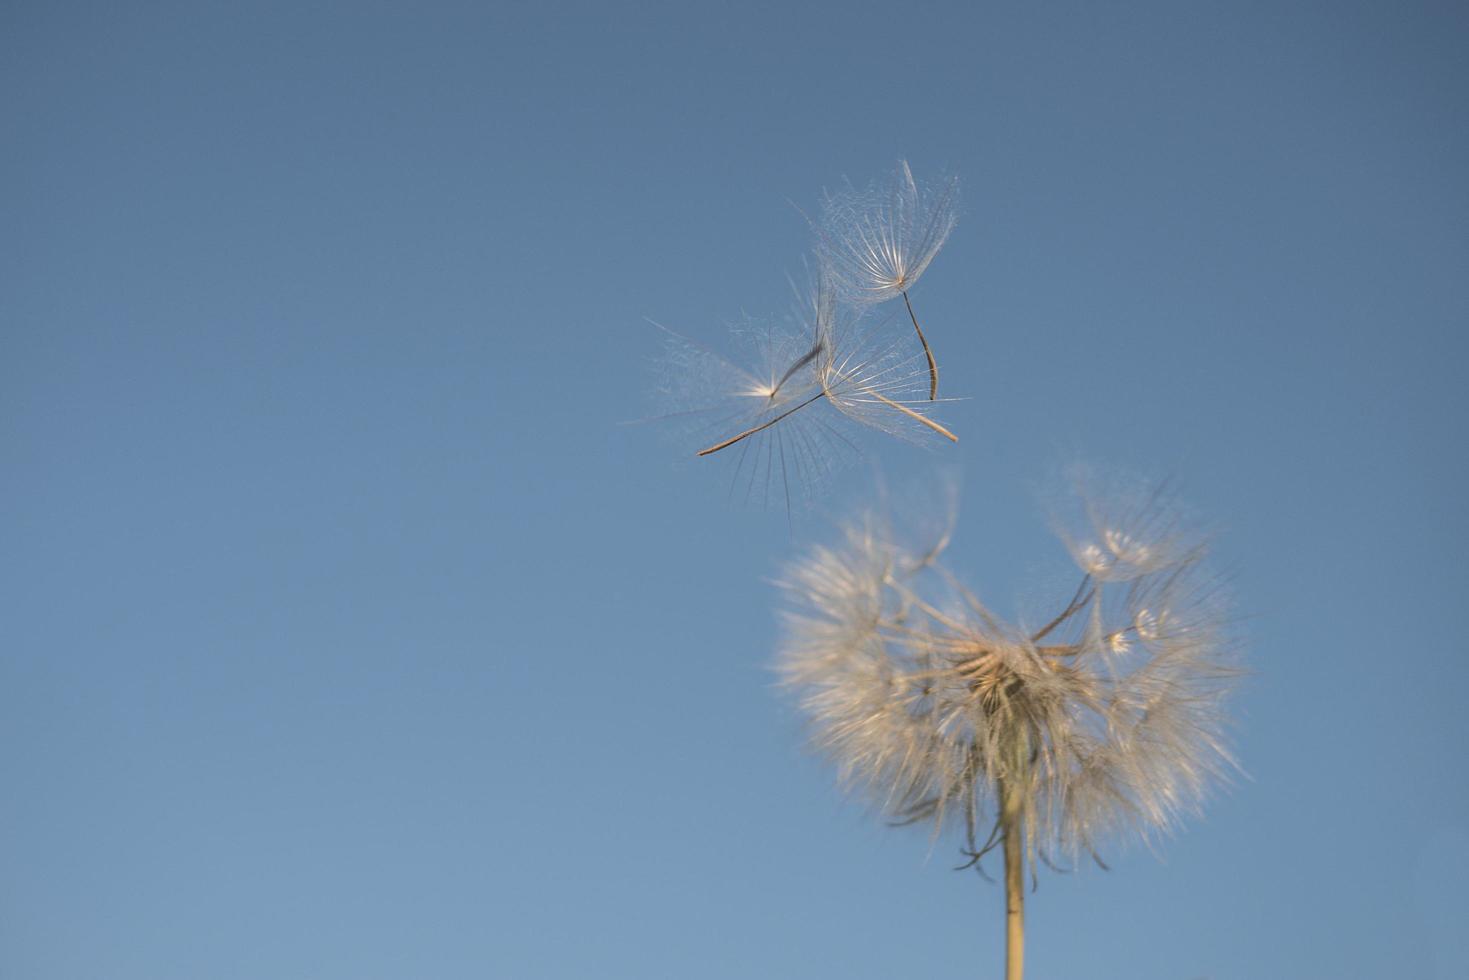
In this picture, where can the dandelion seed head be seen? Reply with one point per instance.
(926, 701)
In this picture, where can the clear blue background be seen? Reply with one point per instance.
(344, 633)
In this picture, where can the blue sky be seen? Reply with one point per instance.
(345, 633)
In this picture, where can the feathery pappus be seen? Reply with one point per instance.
(879, 239)
(1104, 721)
(815, 381)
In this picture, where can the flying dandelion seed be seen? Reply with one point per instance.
(879, 240)
(832, 369)
(1104, 722)
(784, 456)
(866, 376)
(859, 370)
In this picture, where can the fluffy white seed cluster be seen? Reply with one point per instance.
(1104, 721)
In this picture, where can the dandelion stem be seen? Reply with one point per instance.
(933, 368)
(1014, 881)
(763, 426)
(909, 412)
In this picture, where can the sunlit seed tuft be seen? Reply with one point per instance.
(928, 702)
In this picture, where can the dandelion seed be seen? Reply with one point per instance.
(1040, 743)
(867, 377)
(1146, 623)
(781, 456)
(854, 367)
(1119, 528)
(1125, 548)
(879, 240)
(1093, 559)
